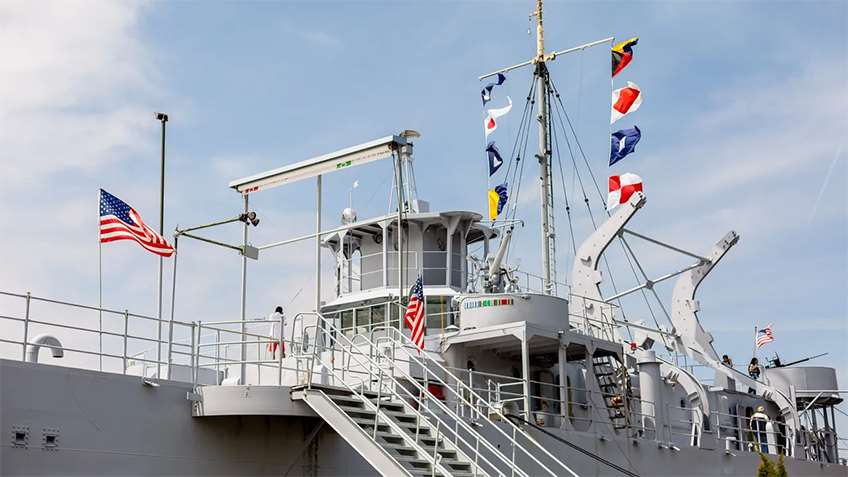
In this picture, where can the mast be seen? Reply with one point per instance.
(548, 239)
(544, 154)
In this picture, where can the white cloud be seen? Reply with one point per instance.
(64, 65)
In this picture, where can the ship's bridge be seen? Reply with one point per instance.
(371, 272)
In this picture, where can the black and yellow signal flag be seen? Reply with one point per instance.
(622, 54)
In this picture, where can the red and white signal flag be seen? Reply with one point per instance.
(621, 188)
(625, 100)
(492, 115)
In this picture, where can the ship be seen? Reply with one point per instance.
(509, 374)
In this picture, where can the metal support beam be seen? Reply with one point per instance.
(243, 314)
(663, 244)
(318, 244)
(525, 373)
(213, 242)
(650, 283)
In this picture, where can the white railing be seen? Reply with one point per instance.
(382, 369)
(99, 339)
(434, 372)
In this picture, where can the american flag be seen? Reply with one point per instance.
(119, 221)
(414, 316)
(764, 336)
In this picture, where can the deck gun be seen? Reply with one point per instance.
(775, 362)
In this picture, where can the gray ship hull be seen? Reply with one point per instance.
(108, 424)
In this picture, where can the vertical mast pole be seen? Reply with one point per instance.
(318, 192)
(243, 307)
(543, 156)
(163, 118)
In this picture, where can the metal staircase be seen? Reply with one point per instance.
(608, 371)
(392, 440)
(371, 396)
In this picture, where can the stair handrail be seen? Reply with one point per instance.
(479, 399)
(313, 357)
(457, 437)
(471, 392)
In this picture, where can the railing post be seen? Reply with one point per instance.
(282, 350)
(126, 332)
(476, 457)
(379, 397)
(512, 466)
(196, 327)
(258, 360)
(436, 445)
(217, 353)
(26, 327)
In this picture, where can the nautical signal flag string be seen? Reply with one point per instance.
(495, 159)
(623, 142)
(622, 55)
(486, 92)
(492, 115)
(497, 200)
(621, 188)
(625, 101)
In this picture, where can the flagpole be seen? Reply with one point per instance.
(100, 285)
(163, 118)
(755, 341)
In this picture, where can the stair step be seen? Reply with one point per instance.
(351, 399)
(357, 410)
(422, 437)
(449, 454)
(368, 422)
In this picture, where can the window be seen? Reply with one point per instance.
(378, 315)
(347, 322)
(395, 314)
(438, 313)
(363, 320)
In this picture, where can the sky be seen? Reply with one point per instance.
(743, 125)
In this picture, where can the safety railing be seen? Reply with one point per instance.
(746, 434)
(99, 338)
(435, 373)
(533, 283)
(548, 409)
(403, 388)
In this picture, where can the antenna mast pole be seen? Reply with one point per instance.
(548, 243)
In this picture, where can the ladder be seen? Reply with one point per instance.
(611, 377)
(551, 230)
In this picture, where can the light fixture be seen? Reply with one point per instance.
(249, 217)
(161, 117)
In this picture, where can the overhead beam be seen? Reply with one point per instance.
(371, 151)
(550, 57)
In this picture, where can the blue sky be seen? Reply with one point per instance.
(743, 128)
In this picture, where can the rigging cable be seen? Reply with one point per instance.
(586, 200)
(600, 195)
(583, 451)
(620, 242)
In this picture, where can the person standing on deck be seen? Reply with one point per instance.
(278, 322)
